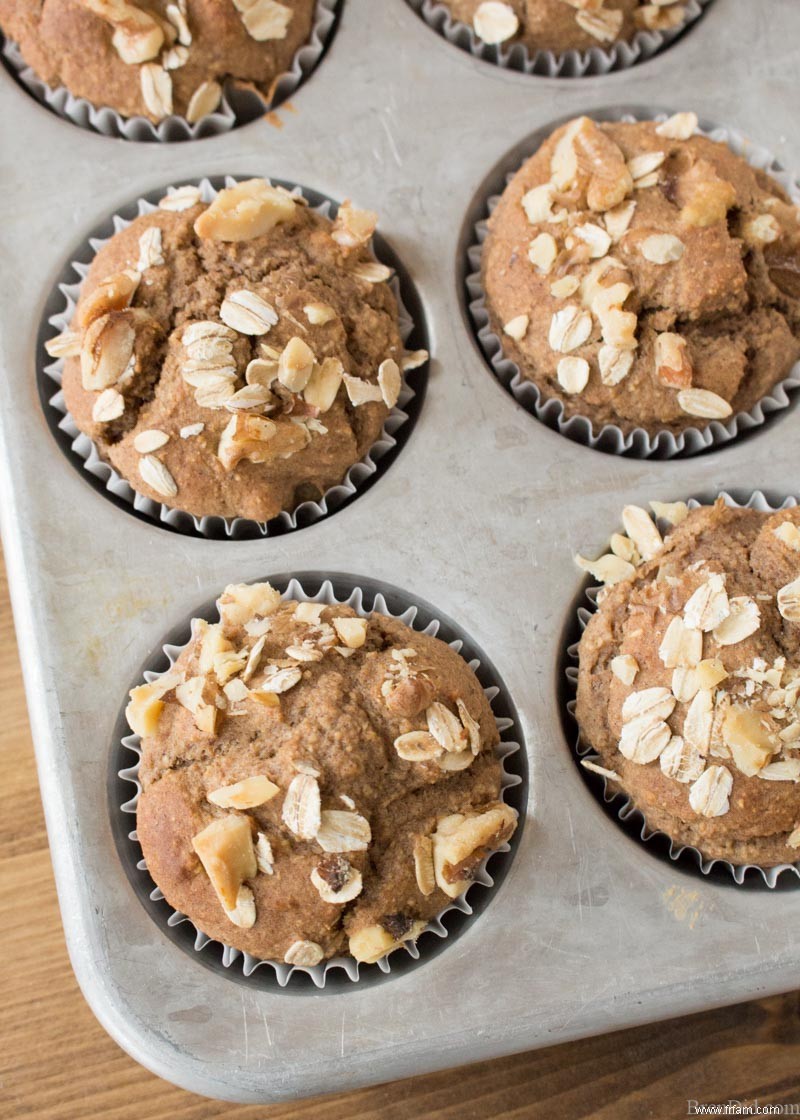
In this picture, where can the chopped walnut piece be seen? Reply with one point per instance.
(789, 534)
(241, 602)
(680, 126)
(705, 198)
(462, 841)
(246, 794)
(673, 364)
(190, 695)
(352, 631)
(750, 739)
(352, 227)
(113, 294)
(264, 19)
(409, 696)
(607, 569)
(599, 158)
(145, 706)
(517, 327)
(369, 944)
(246, 437)
(625, 667)
(225, 849)
(244, 212)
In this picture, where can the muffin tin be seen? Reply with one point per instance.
(479, 516)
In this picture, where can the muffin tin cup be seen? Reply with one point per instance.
(215, 527)
(343, 968)
(637, 444)
(617, 802)
(238, 105)
(549, 64)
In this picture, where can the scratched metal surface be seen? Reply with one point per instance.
(480, 515)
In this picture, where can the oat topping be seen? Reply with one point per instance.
(495, 22)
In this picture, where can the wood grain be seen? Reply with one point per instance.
(56, 1062)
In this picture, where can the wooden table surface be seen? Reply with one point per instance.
(57, 1063)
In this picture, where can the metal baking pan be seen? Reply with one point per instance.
(479, 516)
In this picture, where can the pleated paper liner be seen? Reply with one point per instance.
(615, 803)
(550, 64)
(637, 444)
(82, 452)
(239, 104)
(340, 973)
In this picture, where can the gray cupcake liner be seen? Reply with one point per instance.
(568, 64)
(214, 526)
(638, 443)
(237, 105)
(618, 801)
(345, 966)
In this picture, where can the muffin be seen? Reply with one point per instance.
(689, 678)
(315, 783)
(644, 276)
(234, 359)
(562, 25)
(156, 59)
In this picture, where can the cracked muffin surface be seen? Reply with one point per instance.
(644, 275)
(561, 25)
(154, 59)
(689, 678)
(237, 358)
(315, 783)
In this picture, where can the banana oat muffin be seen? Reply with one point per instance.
(645, 276)
(562, 25)
(315, 783)
(237, 358)
(689, 681)
(154, 59)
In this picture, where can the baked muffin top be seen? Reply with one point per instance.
(235, 359)
(561, 25)
(315, 783)
(644, 275)
(158, 58)
(689, 679)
